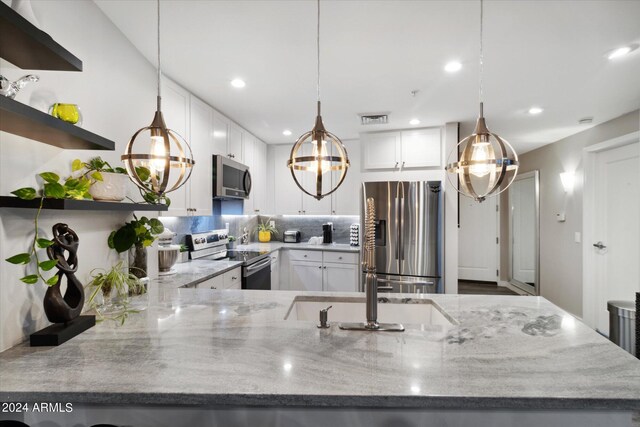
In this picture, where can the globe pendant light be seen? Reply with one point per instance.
(318, 151)
(485, 163)
(157, 159)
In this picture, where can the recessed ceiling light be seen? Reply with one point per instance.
(621, 51)
(414, 122)
(453, 67)
(239, 83)
(286, 132)
(535, 110)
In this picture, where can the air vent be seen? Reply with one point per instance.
(374, 119)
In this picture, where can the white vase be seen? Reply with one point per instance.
(23, 7)
(112, 188)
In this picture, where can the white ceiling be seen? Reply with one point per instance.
(550, 54)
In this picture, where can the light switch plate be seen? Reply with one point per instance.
(561, 217)
(577, 237)
(272, 223)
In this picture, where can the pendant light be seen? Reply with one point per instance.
(318, 151)
(485, 163)
(157, 159)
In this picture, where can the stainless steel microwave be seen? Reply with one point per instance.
(231, 180)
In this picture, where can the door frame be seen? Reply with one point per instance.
(589, 273)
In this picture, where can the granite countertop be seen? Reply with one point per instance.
(212, 347)
(274, 246)
(193, 272)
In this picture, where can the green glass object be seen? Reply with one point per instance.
(69, 113)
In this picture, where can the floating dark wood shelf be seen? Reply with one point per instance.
(20, 119)
(77, 205)
(28, 47)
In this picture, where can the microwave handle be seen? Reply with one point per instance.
(247, 187)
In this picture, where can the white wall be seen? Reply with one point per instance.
(116, 93)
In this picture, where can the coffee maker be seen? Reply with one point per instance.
(327, 232)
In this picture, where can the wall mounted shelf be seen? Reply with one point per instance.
(20, 119)
(77, 205)
(28, 47)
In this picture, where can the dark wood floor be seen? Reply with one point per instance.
(482, 288)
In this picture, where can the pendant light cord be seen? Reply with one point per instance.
(158, 79)
(318, 55)
(481, 52)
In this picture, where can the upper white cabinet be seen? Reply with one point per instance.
(255, 156)
(416, 148)
(175, 109)
(201, 140)
(227, 138)
(287, 196)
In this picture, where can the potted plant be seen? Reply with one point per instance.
(109, 291)
(232, 242)
(135, 236)
(184, 253)
(265, 230)
(107, 183)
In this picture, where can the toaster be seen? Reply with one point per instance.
(292, 236)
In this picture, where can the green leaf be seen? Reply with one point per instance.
(156, 226)
(26, 193)
(48, 264)
(54, 190)
(44, 243)
(143, 173)
(50, 177)
(110, 240)
(120, 170)
(141, 230)
(76, 165)
(96, 163)
(71, 183)
(97, 176)
(147, 242)
(167, 201)
(150, 198)
(87, 196)
(124, 238)
(19, 259)
(52, 280)
(30, 279)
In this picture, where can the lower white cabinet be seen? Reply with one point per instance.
(323, 271)
(232, 279)
(213, 283)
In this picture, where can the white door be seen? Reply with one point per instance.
(477, 245)
(617, 180)
(421, 148)
(340, 277)
(287, 195)
(305, 276)
(201, 130)
(380, 150)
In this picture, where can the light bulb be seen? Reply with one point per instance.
(324, 165)
(480, 153)
(157, 150)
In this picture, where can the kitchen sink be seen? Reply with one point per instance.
(352, 309)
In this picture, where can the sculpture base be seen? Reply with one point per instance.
(59, 333)
(382, 327)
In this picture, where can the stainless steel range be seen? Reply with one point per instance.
(212, 245)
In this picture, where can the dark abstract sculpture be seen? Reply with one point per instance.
(61, 309)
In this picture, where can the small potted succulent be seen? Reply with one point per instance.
(232, 242)
(107, 183)
(265, 230)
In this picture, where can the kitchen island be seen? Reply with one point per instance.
(231, 356)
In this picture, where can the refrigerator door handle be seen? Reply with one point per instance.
(407, 282)
(401, 230)
(398, 234)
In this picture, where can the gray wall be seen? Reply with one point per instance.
(560, 256)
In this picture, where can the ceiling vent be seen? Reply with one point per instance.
(374, 119)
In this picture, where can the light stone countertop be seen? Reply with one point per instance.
(193, 272)
(212, 347)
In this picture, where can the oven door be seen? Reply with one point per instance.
(231, 180)
(258, 275)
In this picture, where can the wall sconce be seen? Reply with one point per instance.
(568, 180)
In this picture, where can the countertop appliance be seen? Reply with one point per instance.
(292, 236)
(167, 252)
(327, 232)
(212, 245)
(231, 180)
(408, 234)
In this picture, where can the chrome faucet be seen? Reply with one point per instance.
(371, 279)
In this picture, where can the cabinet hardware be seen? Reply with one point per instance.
(402, 164)
(320, 267)
(305, 256)
(396, 165)
(339, 257)
(234, 278)
(213, 287)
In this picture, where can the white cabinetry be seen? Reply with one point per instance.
(213, 283)
(235, 143)
(199, 185)
(323, 271)
(255, 156)
(287, 195)
(232, 279)
(416, 148)
(275, 270)
(227, 138)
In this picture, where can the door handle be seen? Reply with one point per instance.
(599, 245)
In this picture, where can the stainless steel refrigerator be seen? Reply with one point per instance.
(408, 234)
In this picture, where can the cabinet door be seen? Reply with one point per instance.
(201, 129)
(250, 160)
(259, 192)
(220, 134)
(235, 143)
(305, 276)
(421, 148)
(287, 195)
(310, 205)
(233, 279)
(275, 274)
(213, 283)
(340, 277)
(346, 199)
(380, 150)
(175, 108)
